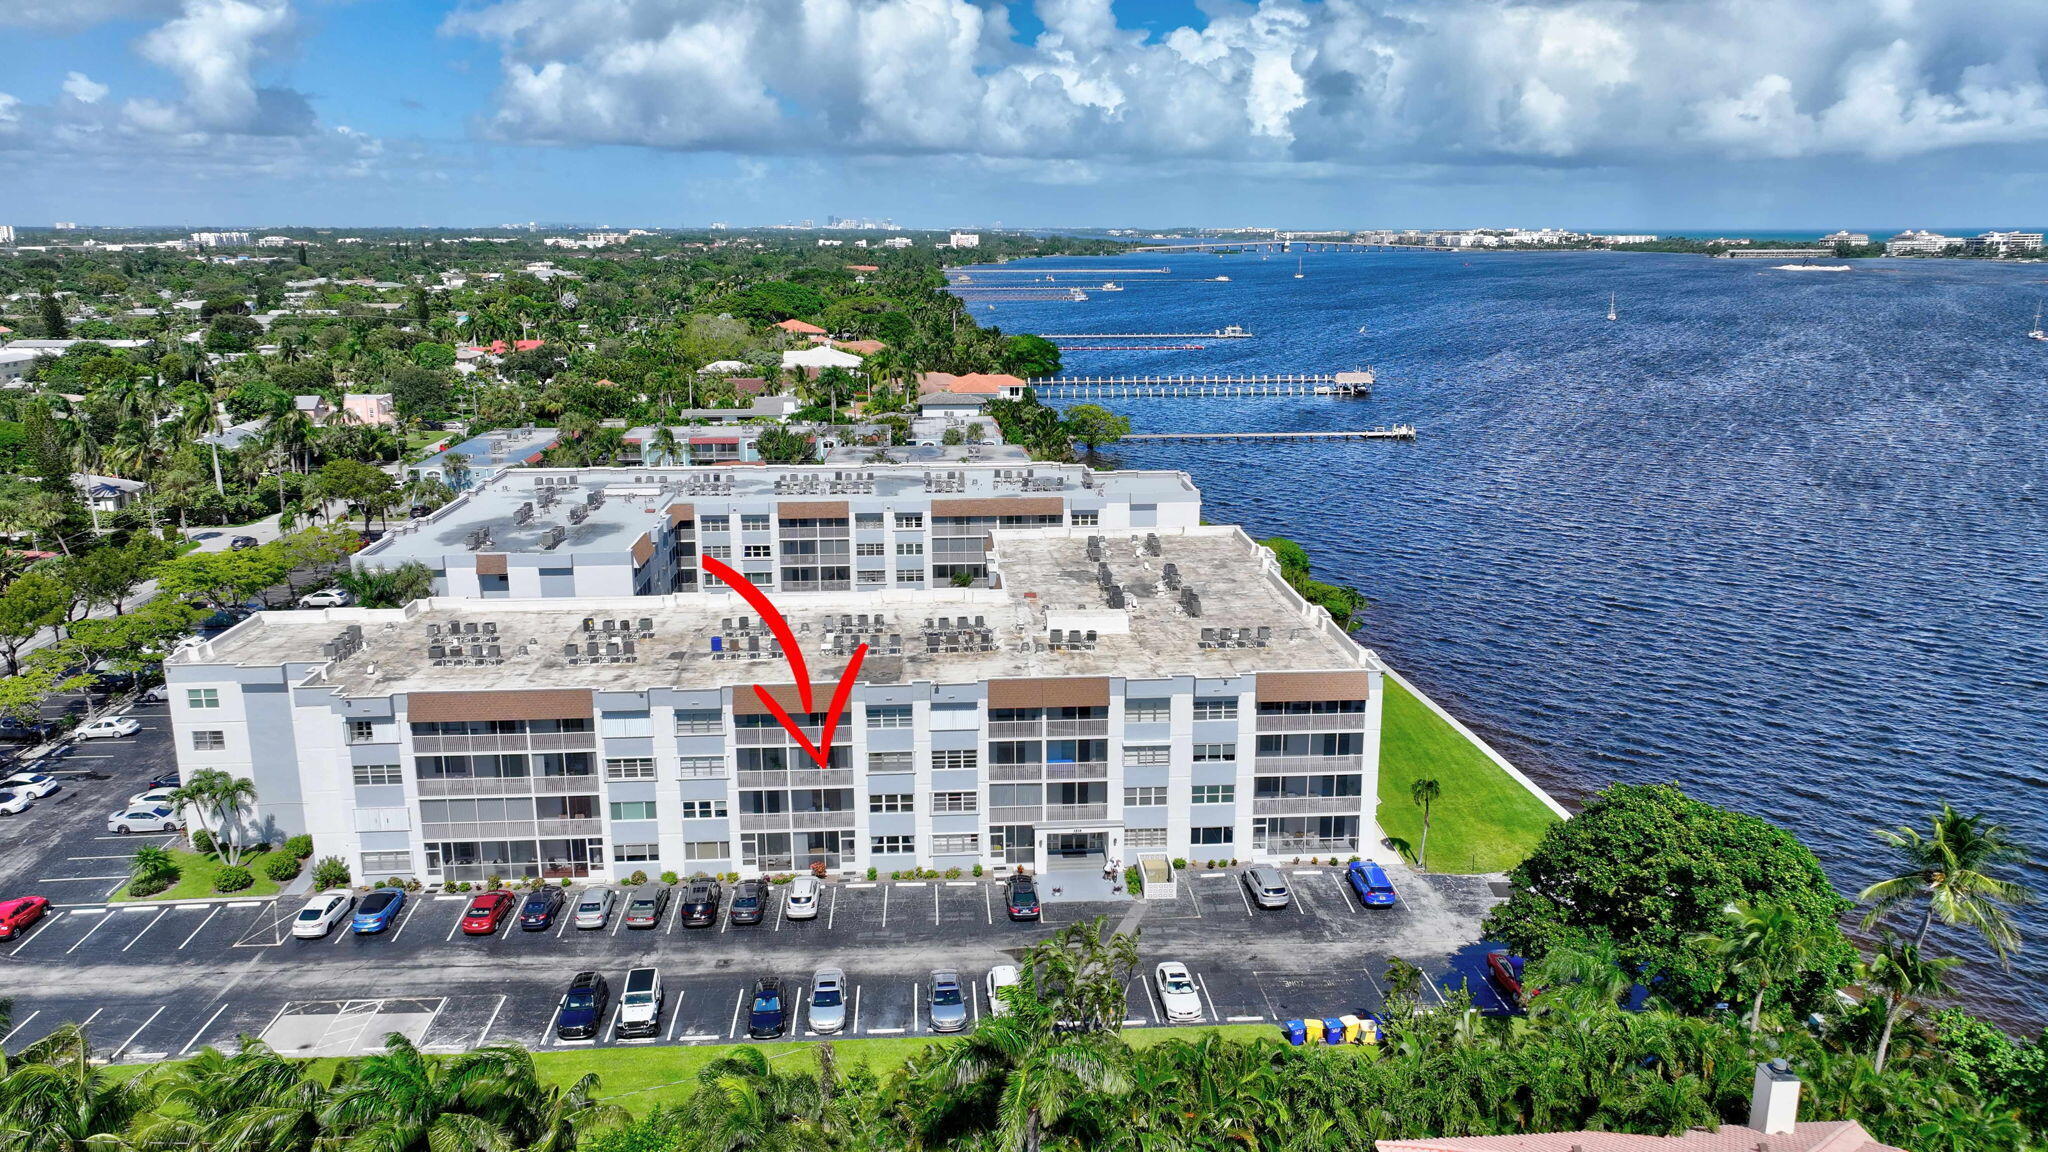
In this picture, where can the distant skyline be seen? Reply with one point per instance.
(1803, 115)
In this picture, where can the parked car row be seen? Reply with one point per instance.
(1267, 888)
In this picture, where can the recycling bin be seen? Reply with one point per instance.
(1350, 1028)
(1333, 1030)
(1296, 1032)
(1312, 1031)
(1369, 1030)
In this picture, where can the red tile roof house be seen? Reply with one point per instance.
(799, 328)
(859, 347)
(972, 384)
(1773, 1104)
(500, 348)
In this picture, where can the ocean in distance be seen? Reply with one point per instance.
(1780, 537)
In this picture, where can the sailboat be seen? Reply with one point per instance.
(1610, 307)
(1297, 267)
(2038, 333)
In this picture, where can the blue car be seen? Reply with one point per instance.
(1370, 881)
(377, 911)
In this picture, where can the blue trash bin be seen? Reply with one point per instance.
(1296, 1031)
(1333, 1030)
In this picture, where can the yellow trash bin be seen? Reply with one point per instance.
(1368, 1031)
(1350, 1029)
(1315, 1030)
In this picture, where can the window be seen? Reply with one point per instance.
(632, 809)
(1312, 708)
(954, 801)
(867, 519)
(1215, 793)
(754, 522)
(890, 802)
(360, 731)
(889, 762)
(703, 809)
(956, 844)
(1144, 797)
(1313, 744)
(889, 715)
(892, 845)
(699, 722)
(209, 741)
(707, 850)
(873, 576)
(955, 759)
(718, 551)
(1016, 795)
(910, 548)
(910, 576)
(714, 523)
(702, 767)
(1145, 837)
(630, 853)
(1215, 709)
(210, 698)
(379, 774)
(875, 549)
(615, 724)
(758, 551)
(1143, 754)
(910, 519)
(630, 768)
(1215, 834)
(1148, 711)
(1087, 519)
(955, 718)
(378, 865)
(1205, 753)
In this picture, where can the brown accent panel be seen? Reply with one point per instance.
(747, 702)
(532, 704)
(1002, 506)
(1050, 692)
(491, 564)
(1302, 687)
(643, 549)
(811, 510)
(677, 513)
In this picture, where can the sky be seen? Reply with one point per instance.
(1616, 115)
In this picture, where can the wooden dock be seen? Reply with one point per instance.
(1355, 385)
(1397, 432)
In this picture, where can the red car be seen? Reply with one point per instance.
(20, 914)
(484, 912)
(1506, 970)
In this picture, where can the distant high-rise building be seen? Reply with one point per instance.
(6, 233)
(221, 239)
(64, 225)
(964, 240)
(1846, 237)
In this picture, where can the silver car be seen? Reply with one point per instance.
(947, 1001)
(594, 907)
(1267, 887)
(828, 1001)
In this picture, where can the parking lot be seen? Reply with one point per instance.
(161, 980)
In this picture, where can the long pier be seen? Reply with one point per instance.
(1233, 332)
(1397, 432)
(1350, 384)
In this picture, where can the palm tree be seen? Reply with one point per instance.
(1900, 973)
(1765, 943)
(1036, 1080)
(221, 797)
(743, 1102)
(251, 1101)
(54, 1098)
(1425, 793)
(563, 1117)
(152, 862)
(1951, 870)
(402, 1100)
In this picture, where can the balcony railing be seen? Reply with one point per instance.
(1269, 765)
(1016, 729)
(572, 826)
(1312, 844)
(1015, 814)
(436, 786)
(480, 745)
(481, 830)
(799, 821)
(1307, 805)
(756, 737)
(1332, 722)
(1077, 811)
(1058, 729)
(812, 778)
(1016, 771)
(1078, 770)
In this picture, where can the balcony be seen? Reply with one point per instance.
(1270, 765)
(572, 826)
(796, 821)
(1308, 805)
(1015, 814)
(1335, 722)
(775, 737)
(1016, 729)
(1060, 729)
(481, 830)
(438, 786)
(1314, 845)
(1077, 811)
(812, 778)
(484, 745)
(1078, 770)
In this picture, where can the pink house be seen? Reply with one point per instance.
(372, 408)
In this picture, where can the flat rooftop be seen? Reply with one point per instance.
(1049, 582)
(636, 500)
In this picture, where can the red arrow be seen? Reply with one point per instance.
(820, 752)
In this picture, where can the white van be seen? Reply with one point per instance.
(801, 902)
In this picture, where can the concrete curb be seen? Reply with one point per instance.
(1498, 759)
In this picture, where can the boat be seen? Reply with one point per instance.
(1361, 329)
(1110, 286)
(1297, 268)
(1219, 279)
(1610, 307)
(1810, 267)
(1233, 330)
(1075, 294)
(2038, 333)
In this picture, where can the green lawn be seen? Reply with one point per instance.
(1485, 820)
(195, 878)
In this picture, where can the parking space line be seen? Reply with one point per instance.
(1241, 891)
(568, 914)
(675, 1028)
(616, 921)
(1300, 900)
(988, 903)
(974, 1001)
(1206, 998)
(675, 913)
(832, 908)
(31, 933)
(935, 904)
(915, 1023)
(97, 858)
(1213, 875)
(732, 1031)
(611, 1034)
(202, 924)
(88, 933)
(779, 906)
(18, 1027)
(116, 1055)
(484, 1036)
(161, 913)
(75, 879)
(1152, 999)
(202, 1029)
(405, 917)
(885, 907)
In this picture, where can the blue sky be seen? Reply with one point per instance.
(1615, 114)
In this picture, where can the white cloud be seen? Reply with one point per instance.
(82, 88)
(71, 15)
(1348, 81)
(212, 47)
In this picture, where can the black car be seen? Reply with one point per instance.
(240, 543)
(13, 731)
(583, 1007)
(749, 901)
(700, 903)
(163, 780)
(1020, 896)
(540, 908)
(767, 1019)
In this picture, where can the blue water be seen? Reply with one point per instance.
(1780, 537)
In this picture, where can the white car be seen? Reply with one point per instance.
(108, 727)
(34, 785)
(154, 798)
(145, 819)
(321, 914)
(1177, 994)
(801, 900)
(14, 803)
(327, 598)
(158, 693)
(1001, 979)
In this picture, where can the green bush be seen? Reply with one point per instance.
(397, 882)
(493, 882)
(1180, 863)
(638, 877)
(282, 867)
(1134, 880)
(331, 872)
(233, 878)
(202, 841)
(670, 879)
(462, 886)
(871, 872)
(953, 873)
(149, 885)
(977, 869)
(300, 846)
